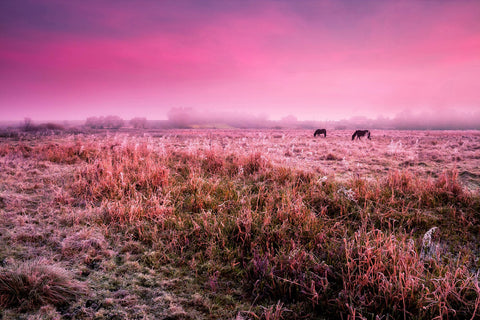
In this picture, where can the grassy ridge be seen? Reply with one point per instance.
(288, 243)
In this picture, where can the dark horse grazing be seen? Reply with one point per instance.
(361, 133)
(319, 132)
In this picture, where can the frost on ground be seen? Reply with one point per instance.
(245, 224)
(425, 153)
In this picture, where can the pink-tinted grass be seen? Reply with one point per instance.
(295, 242)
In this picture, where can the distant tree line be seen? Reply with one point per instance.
(28, 125)
(108, 122)
(192, 118)
(139, 123)
(115, 122)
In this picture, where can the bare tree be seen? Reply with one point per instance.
(94, 123)
(27, 124)
(113, 122)
(139, 123)
(180, 117)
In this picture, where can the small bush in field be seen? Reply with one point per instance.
(34, 284)
(448, 186)
(254, 163)
(332, 157)
(213, 163)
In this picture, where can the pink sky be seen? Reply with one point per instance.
(316, 60)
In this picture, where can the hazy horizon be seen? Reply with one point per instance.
(191, 118)
(313, 60)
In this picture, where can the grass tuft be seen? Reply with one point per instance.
(34, 284)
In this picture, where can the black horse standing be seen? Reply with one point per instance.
(361, 133)
(319, 132)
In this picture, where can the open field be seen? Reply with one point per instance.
(240, 224)
(426, 153)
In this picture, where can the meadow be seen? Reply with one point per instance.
(240, 224)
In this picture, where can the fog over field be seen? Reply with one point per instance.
(450, 119)
(197, 118)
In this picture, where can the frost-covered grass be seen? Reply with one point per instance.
(217, 224)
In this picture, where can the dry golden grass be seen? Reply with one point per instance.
(212, 224)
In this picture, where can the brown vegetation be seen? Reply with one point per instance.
(202, 224)
(34, 284)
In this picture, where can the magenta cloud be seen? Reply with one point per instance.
(315, 59)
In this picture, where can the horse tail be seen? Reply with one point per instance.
(369, 135)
